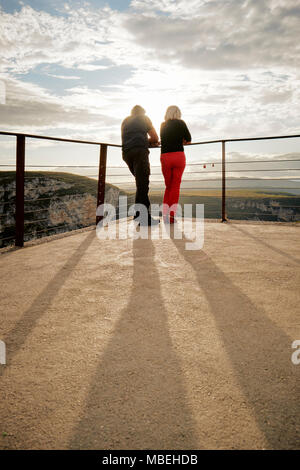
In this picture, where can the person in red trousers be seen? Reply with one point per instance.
(173, 134)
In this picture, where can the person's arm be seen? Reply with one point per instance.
(153, 138)
(152, 135)
(187, 138)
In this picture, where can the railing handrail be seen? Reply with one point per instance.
(91, 142)
(59, 139)
(246, 139)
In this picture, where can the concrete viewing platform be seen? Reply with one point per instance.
(142, 344)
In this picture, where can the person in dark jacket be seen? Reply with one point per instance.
(138, 134)
(173, 134)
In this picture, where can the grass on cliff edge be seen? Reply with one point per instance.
(83, 183)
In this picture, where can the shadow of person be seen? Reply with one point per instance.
(267, 245)
(259, 351)
(137, 397)
(17, 336)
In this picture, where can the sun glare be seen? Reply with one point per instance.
(155, 105)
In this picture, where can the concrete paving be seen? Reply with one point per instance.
(143, 344)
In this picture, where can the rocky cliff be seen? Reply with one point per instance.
(283, 209)
(54, 203)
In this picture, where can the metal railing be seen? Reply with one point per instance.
(102, 167)
(20, 175)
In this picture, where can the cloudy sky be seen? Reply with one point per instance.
(76, 68)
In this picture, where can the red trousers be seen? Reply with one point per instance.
(172, 165)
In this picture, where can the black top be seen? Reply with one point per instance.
(172, 134)
(134, 131)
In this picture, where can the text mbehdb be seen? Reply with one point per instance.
(153, 459)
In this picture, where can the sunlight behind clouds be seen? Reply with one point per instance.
(232, 67)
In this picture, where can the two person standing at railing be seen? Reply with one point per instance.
(138, 134)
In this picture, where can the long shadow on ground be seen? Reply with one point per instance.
(259, 351)
(17, 336)
(267, 245)
(137, 397)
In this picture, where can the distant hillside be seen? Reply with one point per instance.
(54, 202)
(241, 204)
(59, 202)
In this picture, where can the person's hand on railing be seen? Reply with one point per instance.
(185, 142)
(154, 144)
(153, 140)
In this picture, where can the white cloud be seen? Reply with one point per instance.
(219, 34)
(31, 108)
(231, 66)
(92, 67)
(182, 8)
(29, 37)
(63, 77)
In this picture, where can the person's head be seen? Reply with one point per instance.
(173, 112)
(137, 111)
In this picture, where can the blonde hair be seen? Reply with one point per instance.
(173, 112)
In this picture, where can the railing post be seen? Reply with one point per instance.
(20, 168)
(101, 178)
(223, 184)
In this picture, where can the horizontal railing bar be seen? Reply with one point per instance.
(228, 197)
(245, 139)
(206, 172)
(59, 139)
(28, 222)
(7, 238)
(54, 166)
(266, 161)
(217, 171)
(47, 229)
(53, 197)
(154, 166)
(227, 179)
(231, 189)
(258, 214)
(212, 180)
(219, 189)
(57, 226)
(219, 163)
(36, 210)
(37, 176)
(244, 161)
(7, 213)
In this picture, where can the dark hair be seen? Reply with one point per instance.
(137, 110)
